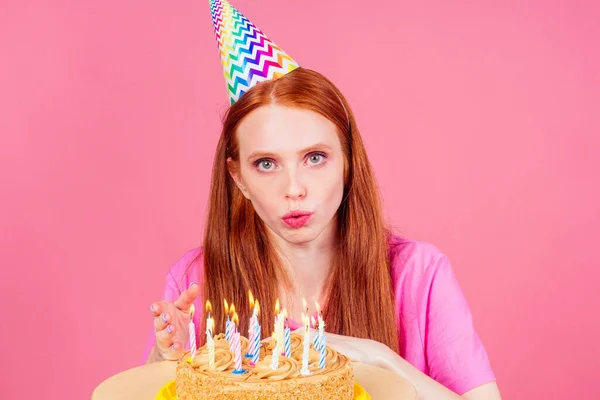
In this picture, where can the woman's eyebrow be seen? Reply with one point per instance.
(268, 154)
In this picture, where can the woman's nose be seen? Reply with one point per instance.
(294, 190)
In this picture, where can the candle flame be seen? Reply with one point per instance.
(257, 307)
(235, 318)
(208, 306)
(285, 314)
(226, 306)
(251, 298)
(304, 305)
(192, 309)
(318, 307)
(305, 320)
(277, 306)
(231, 309)
(313, 322)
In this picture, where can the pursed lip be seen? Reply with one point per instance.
(296, 214)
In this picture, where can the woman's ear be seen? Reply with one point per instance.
(232, 168)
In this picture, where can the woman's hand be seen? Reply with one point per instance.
(366, 351)
(171, 324)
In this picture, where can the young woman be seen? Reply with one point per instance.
(295, 213)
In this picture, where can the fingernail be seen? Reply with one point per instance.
(163, 317)
(169, 329)
(193, 283)
(152, 307)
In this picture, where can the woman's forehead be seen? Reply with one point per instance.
(281, 129)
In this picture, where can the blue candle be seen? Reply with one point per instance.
(288, 348)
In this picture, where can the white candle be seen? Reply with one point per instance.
(208, 310)
(305, 352)
(275, 356)
(210, 343)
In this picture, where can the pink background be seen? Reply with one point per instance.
(481, 120)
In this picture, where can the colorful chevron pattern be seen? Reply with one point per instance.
(248, 56)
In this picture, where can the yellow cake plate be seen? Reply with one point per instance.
(167, 392)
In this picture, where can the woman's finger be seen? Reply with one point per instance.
(162, 321)
(174, 352)
(155, 309)
(186, 299)
(164, 338)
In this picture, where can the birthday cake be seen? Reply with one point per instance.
(285, 378)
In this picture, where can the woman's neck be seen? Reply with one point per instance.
(308, 266)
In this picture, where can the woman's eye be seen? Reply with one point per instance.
(265, 165)
(316, 158)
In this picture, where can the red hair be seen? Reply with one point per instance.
(236, 250)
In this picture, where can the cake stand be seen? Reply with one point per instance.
(144, 382)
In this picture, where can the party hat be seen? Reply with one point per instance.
(248, 56)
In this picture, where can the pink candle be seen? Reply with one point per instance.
(237, 351)
(236, 345)
(192, 333)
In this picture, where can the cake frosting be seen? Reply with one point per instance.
(196, 381)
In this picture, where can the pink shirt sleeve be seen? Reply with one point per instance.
(435, 325)
(456, 356)
(181, 274)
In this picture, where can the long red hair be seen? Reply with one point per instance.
(237, 253)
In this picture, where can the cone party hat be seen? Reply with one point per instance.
(248, 56)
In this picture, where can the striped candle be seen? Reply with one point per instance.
(322, 351)
(288, 348)
(192, 333)
(251, 334)
(228, 329)
(237, 350)
(255, 345)
(316, 341)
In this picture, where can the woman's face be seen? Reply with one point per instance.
(291, 168)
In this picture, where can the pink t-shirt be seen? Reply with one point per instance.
(435, 326)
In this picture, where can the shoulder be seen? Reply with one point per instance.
(187, 269)
(415, 259)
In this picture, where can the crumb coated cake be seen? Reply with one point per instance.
(196, 381)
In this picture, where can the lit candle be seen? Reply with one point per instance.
(209, 331)
(281, 332)
(321, 342)
(210, 343)
(192, 331)
(255, 343)
(208, 308)
(228, 322)
(317, 340)
(278, 328)
(313, 323)
(322, 349)
(232, 325)
(237, 351)
(252, 326)
(304, 370)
